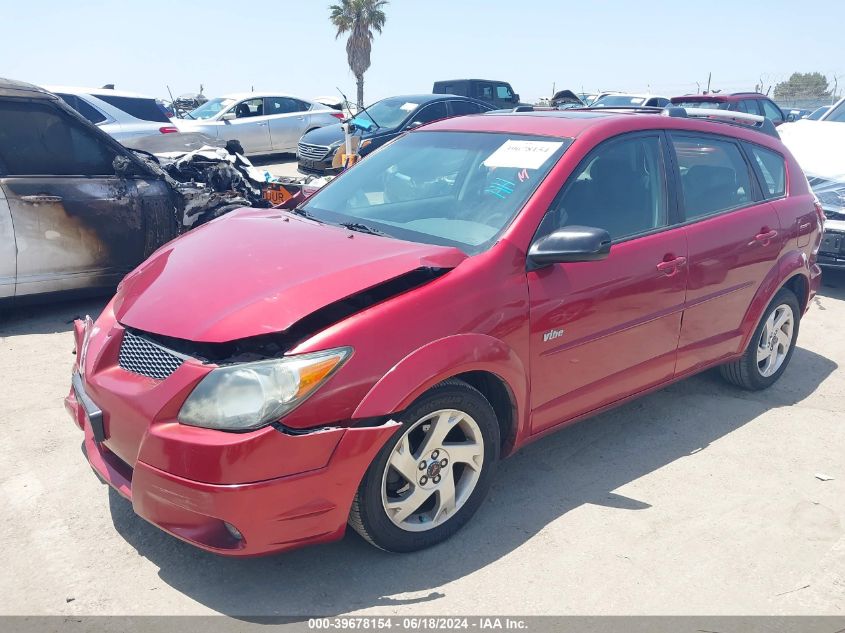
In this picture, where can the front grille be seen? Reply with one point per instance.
(145, 358)
(313, 152)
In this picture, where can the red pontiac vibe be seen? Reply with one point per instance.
(368, 358)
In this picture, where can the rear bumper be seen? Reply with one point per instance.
(271, 515)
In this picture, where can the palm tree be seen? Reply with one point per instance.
(359, 18)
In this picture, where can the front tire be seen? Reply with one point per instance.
(433, 474)
(771, 346)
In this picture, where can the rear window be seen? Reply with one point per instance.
(771, 168)
(139, 107)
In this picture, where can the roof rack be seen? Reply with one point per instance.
(731, 117)
(754, 121)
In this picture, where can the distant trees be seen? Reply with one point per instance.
(803, 86)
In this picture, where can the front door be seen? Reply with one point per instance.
(603, 330)
(76, 223)
(735, 239)
(250, 126)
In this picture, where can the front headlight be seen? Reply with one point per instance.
(250, 395)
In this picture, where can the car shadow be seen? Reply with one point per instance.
(833, 285)
(582, 464)
(47, 315)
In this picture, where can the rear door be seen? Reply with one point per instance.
(735, 239)
(8, 252)
(289, 119)
(76, 223)
(603, 330)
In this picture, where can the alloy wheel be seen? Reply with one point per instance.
(775, 340)
(432, 470)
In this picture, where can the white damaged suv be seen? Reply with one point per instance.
(819, 147)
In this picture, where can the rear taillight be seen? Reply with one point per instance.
(338, 115)
(168, 129)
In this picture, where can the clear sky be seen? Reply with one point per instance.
(289, 45)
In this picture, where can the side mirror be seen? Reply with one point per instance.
(569, 244)
(229, 116)
(516, 98)
(413, 125)
(123, 167)
(790, 117)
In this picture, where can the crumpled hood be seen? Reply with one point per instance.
(260, 271)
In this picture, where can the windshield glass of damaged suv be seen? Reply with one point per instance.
(450, 188)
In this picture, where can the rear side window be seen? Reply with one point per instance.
(750, 106)
(464, 107)
(484, 91)
(139, 107)
(714, 175)
(283, 105)
(771, 111)
(771, 168)
(84, 108)
(37, 139)
(433, 112)
(503, 92)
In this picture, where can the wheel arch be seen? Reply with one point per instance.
(792, 272)
(486, 363)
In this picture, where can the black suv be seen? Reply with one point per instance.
(498, 94)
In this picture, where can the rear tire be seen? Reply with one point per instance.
(770, 348)
(433, 474)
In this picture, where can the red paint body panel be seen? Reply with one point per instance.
(628, 328)
(296, 266)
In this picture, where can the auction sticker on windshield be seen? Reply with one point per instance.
(409, 106)
(522, 154)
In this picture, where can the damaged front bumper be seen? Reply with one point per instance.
(236, 494)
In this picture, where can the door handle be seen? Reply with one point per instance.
(41, 198)
(671, 267)
(764, 237)
(262, 123)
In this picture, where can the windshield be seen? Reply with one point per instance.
(614, 101)
(818, 113)
(210, 108)
(450, 188)
(387, 113)
(837, 114)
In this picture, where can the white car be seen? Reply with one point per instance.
(819, 147)
(625, 100)
(263, 123)
(135, 120)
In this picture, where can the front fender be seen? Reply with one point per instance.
(442, 359)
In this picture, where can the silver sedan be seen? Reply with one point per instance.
(264, 123)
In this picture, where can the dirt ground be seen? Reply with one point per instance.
(698, 499)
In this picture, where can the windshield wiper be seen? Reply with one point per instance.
(361, 228)
(306, 214)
